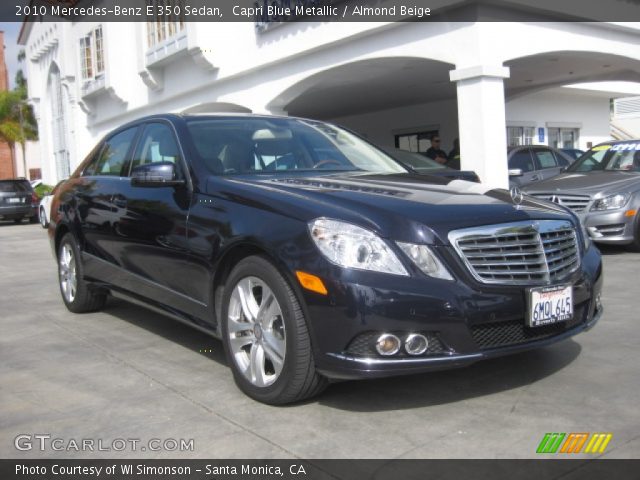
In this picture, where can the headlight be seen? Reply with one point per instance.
(425, 260)
(611, 202)
(351, 246)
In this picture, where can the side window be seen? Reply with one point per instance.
(113, 155)
(91, 161)
(562, 161)
(522, 159)
(546, 159)
(157, 144)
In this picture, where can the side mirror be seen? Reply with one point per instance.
(563, 169)
(160, 174)
(515, 172)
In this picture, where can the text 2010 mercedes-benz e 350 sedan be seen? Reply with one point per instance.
(313, 255)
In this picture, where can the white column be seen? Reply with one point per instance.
(481, 122)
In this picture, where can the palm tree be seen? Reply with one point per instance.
(17, 122)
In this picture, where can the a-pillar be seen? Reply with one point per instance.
(481, 122)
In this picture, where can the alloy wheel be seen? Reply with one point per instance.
(256, 330)
(67, 272)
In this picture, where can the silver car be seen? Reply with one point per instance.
(603, 189)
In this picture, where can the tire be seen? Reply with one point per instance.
(271, 359)
(17, 221)
(76, 294)
(34, 219)
(43, 218)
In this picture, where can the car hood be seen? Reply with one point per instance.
(588, 183)
(407, 207)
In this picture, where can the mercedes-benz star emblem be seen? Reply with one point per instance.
(516, 195)
(556, 199)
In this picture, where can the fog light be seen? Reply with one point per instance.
(387, 344)
(598, 303)
(416, 344)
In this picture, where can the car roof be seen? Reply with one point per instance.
(171, 117)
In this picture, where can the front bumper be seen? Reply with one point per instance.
(465, 321)
(610, 227)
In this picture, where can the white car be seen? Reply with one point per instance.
(44, 210)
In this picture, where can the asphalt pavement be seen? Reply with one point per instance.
(128, 373)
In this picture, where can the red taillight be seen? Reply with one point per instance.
(35, 198)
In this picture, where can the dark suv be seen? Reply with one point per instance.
(314, 255)
(18, 200)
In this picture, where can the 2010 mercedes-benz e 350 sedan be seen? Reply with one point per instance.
(315, 256)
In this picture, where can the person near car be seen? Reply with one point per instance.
(441, 158)
(435, 149)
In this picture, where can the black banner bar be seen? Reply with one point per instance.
(265, 13)
(579, 469)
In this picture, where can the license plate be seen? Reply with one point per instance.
(549, 305)
(15, 200)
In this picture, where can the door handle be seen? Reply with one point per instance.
(535, 178)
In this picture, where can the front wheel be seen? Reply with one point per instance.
(43, 218)
(265, 335)
(76, 294)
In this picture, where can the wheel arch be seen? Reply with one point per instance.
(236, 253)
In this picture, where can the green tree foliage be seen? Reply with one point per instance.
(17, 121)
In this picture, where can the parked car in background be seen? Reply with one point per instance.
(45, 206)
(18, 200)
(533, 163)
(603, 189)
(425, 165)
(574, 153)
(313, 254)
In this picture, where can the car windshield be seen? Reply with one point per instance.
(280, 145)
(618, 157)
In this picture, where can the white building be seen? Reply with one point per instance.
(487, 83)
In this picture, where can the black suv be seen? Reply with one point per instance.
(18, 200)
(314, 255)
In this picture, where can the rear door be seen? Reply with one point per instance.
(101, 180)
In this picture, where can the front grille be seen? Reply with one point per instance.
(502, 334)
(520, 253)
(577, 203)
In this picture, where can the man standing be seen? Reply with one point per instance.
(435, 150)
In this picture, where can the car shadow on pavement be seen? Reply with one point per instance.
(449, 386)
(167, 327)
(404, 392)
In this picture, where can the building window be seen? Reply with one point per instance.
(92, 54)
(415, 142)
(564, 137)
(520, 136)
(168, 22)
